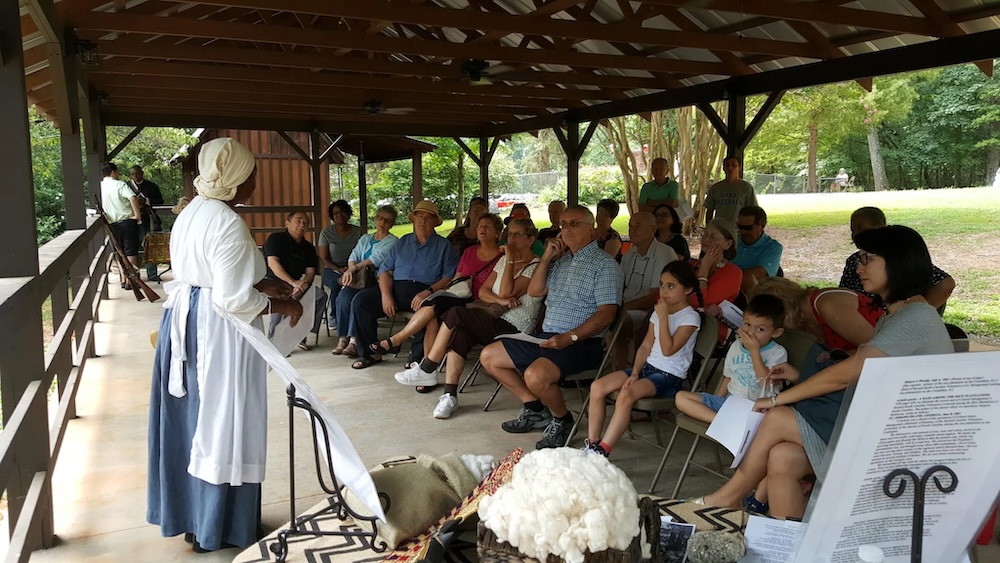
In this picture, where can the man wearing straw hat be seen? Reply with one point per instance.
(421, 263)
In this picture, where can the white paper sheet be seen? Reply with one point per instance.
(769, 540)
(523, 337)
(735, 426)
(731, 314)
(914, 413)
(287, 337)
(347, 464)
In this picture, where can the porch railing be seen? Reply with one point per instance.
(74, 279)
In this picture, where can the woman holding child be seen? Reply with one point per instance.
(792, 440)
(661, 362)
(504, 307)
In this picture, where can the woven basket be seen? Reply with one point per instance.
(491, 550)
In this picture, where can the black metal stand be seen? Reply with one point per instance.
(338, 506)
(920, 484)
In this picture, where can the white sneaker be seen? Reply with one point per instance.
(447, 405)
(413, 375)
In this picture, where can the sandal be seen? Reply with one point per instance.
(366, 362)
(378, 348)
(341, 346)
(426, 388)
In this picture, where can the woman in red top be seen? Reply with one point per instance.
(718, 279)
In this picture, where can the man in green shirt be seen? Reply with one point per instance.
(659, 190)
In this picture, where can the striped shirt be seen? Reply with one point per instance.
(577, 285)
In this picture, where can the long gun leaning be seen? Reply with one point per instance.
(139, 287)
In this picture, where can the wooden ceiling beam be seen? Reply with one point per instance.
(310, 61)
(278, 93)
(816, 12)
(506, 23)
(216, 76)
(212, 30)
(223, 119)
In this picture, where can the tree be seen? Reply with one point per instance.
(891, 98)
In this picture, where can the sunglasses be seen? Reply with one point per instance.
(746, 227)
(865, 257)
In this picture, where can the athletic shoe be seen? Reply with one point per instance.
(527, 420)
(447, 405)
(593, 448)
(556, 434)
(413, 375)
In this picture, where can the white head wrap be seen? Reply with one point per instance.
(223, 164)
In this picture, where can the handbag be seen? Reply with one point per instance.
(462, 287)
(363, 279)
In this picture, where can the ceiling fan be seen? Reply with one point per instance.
(478, 71)
(376, 107)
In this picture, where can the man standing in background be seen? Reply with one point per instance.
(150, 192)
(122, 211)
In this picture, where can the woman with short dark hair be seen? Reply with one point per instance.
(335, 245)
(792, 440)
(607, 238)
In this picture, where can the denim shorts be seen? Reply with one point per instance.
(711, 401)
(666, 385)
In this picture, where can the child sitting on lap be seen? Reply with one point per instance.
(748, 360)
(661, 362)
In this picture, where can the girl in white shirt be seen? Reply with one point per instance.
(661, 362)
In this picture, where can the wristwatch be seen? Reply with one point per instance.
(573, 336)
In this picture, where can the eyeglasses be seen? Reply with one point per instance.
(663, 215)
(865, 257)
(746, 227)
(384, 218)
(572, 224)
(514, 234)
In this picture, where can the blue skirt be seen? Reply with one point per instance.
(178, 502)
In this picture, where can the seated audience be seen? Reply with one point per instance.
(464, 235)
(791, 441)
(504, 307)
(607, 238)
(748, 361)
(421, 263)
(758, 255)
(476, 263)
(725, 199)
(661, 362)
(292, 259)
(668, 230)
(335, 245)
(660, 190)
(718, 277)
(867, 218)
(583, 288)
(365, 260)
(641, 265)
(556, 209)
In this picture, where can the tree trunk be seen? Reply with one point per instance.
(460, 192)
(813, 148)
(992, 163)
(879, 179)
(617, 133)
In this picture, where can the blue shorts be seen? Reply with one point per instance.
(571, 360)
(711, 401)
(667, 385)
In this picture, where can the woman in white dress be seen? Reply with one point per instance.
(206, 464)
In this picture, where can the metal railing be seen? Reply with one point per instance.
(73, 277)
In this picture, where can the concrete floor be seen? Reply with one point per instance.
(99, 484)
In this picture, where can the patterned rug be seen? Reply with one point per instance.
(345, 549)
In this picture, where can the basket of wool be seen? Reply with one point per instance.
(564, 505)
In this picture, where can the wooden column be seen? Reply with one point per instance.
(316, 179)
(97, 144)
(734, 131)
(573, 145)
(418, 176)
(737, 124)
(485, 156)
(362, 187)
(21, 348)
(63, 70)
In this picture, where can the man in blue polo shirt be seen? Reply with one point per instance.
(421, 263)
(582, 285)
(757, 254)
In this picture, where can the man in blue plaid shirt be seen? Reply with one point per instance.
(583, 289)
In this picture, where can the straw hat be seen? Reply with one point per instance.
(427, 206)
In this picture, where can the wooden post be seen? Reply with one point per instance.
(736, 124)
(485, 156)
(316, 179)
(418, 176)
(362, 187)
(97, 145)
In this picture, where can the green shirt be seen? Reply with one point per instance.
(653, 191)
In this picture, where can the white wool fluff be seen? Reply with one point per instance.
(563, 502)
(479, 465)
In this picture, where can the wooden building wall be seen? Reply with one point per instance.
(283, 178)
